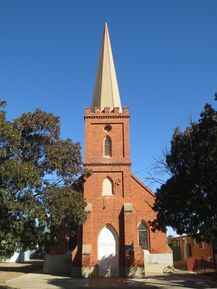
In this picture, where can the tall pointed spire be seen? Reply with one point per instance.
(106, 92)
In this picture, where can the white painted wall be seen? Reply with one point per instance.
(19, 257)
(164, 259)
(156, 263)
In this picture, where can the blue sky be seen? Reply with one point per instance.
(165, 54)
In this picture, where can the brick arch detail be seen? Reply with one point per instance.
(110, 227)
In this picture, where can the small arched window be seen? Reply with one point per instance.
(143, 235)
(107, 146)
(107, 187)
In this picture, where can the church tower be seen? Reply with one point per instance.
(116, 238)
(116, 234)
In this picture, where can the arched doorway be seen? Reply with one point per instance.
(108, 252)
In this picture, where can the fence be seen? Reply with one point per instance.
(203, 265)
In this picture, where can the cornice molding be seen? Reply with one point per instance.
(106, 116)
(106, 164)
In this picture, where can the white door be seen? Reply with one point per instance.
(107, 252)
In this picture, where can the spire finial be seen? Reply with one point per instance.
(106, 92)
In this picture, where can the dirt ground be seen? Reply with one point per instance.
(13, 270)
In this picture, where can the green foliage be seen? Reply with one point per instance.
(188, 200)
(37, 173)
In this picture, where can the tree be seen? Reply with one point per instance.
(38, 171)
(188, 200)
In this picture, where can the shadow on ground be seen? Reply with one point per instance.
(182, 281)
(69, 283)
(151, 282)
(10, 271)
(100, 283)
(168, 281)
(27, 267)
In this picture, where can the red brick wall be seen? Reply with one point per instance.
(127, 189)
(95, 134)
(197, 252)
(143, 200)
(201, 253)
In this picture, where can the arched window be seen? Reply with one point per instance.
(107, 187)
(143, 235)
(107, 146)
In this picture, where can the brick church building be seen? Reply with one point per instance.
(116, 239)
